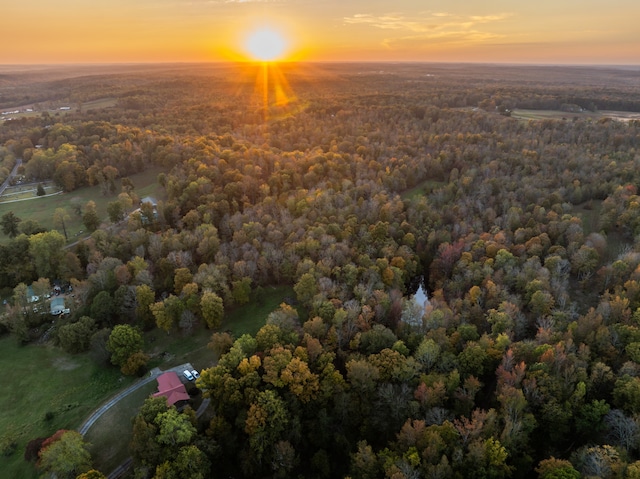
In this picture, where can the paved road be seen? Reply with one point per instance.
(13, 173)
(106, 406)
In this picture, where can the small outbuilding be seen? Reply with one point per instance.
(170, 386)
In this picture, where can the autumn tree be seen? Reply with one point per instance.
(66, 457)
(145, 297)
(212, 309)
(90, 217)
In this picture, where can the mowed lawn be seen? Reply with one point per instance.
(41, 380)
(109, 437)
(423, 189)
(41, 209)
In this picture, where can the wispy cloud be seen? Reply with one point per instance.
(252, 1)
(434, 27)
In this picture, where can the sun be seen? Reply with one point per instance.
(266, 45)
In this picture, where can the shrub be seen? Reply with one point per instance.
(8, 445)
(33, 448)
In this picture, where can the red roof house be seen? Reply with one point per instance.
(170, 386)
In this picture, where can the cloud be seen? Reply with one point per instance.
(432, 27)
(389, 21)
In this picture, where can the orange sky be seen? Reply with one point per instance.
(108, 31)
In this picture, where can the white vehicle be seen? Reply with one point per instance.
(195, 374)
(187, 374)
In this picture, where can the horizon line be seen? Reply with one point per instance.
(292, 62)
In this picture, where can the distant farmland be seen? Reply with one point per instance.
(41, 209)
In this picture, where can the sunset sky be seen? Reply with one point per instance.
(514, 31)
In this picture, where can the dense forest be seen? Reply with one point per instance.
(354, 184)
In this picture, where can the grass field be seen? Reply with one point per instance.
(251, 317)
(110, 435)
(423, 189)
(99, 103)
(21, 192)
(522, 114)
(41, 380)
(41, 209)
(90, 105)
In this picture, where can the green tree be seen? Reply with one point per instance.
(47, 252)
(168, 312)
(182, 277)
(10, 223)
(306, 288)
(92, 474)
(90, 217)
(145, 297)
(102, 307)
(174, 429)
(556, 469)
(67, 457)
(240, 290)
(144, 447)
(31, 227)
(192, 463)
(541, 303)
(40, 190)
(115, 211)
(76, 337)
(124, 341)
(163, 320)
(267, 419)
(212, 309)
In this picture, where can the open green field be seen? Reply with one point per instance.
(99, 103)
(41, 209)
(522, 114)
(423, 189)
(41, 380)
(251, 317)
(21, 192)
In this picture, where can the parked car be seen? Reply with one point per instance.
(187, 374)
(195, 374)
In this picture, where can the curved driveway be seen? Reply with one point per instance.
(154, 373)
(106, 406)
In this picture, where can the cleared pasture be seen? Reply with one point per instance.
(523, 114)
(41, 209)
(45, 390)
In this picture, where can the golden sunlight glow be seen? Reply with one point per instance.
(266, 44)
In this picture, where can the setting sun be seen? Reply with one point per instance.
(266, 44)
